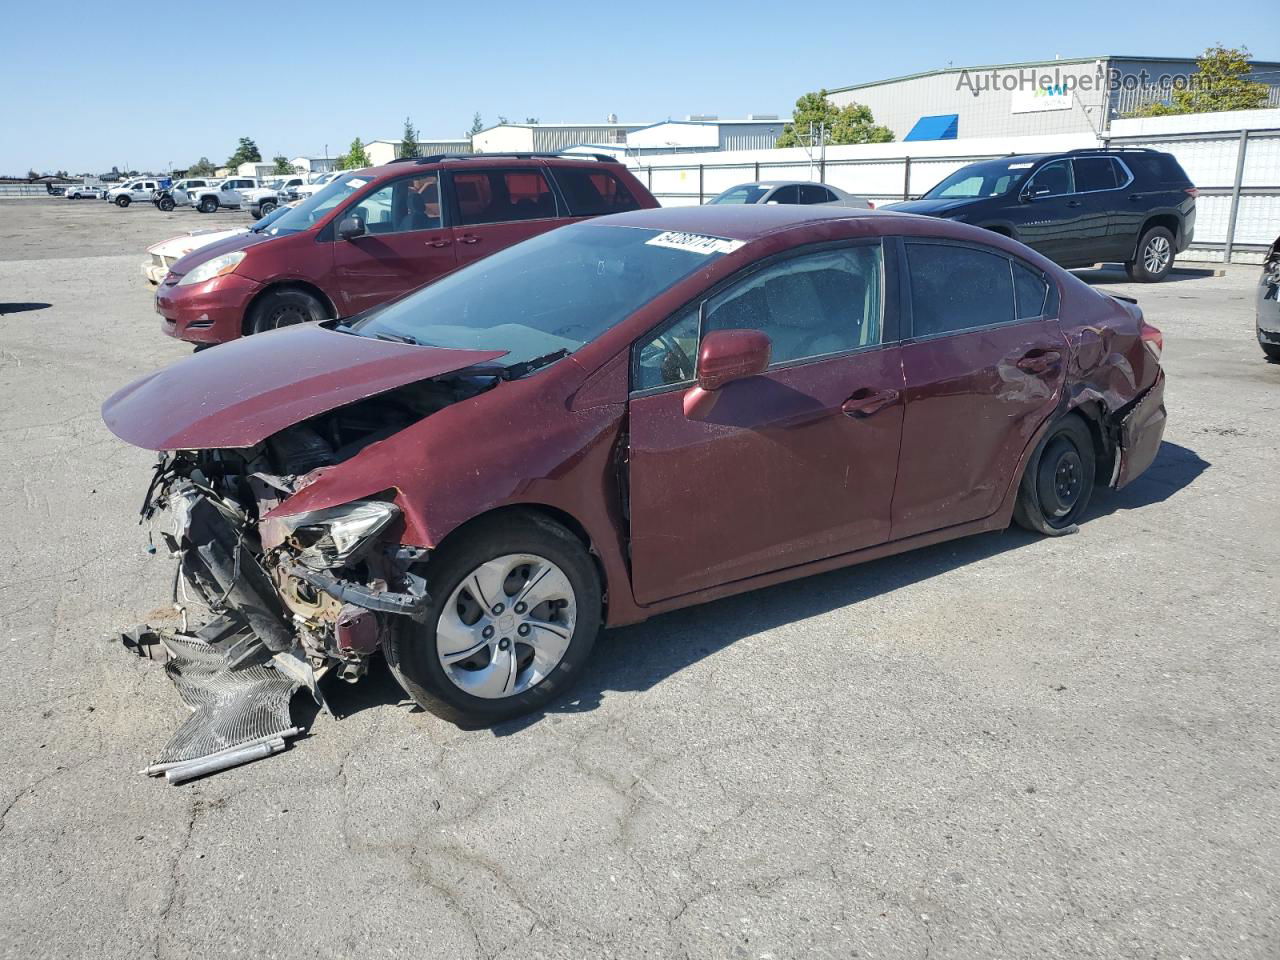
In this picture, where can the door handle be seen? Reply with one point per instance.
(1073, 203)
(469, 239)
(1039, 361)
(439, 243)
(1135, 196)
(865, 402)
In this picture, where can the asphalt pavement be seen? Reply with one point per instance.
(1005, 746)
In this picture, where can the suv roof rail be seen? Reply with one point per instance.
(1107, 148)
(438, 157)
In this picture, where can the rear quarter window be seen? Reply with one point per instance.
(592, 193)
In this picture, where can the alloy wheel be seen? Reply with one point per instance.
(1156, 255)
(506, 626)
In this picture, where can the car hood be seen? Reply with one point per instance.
(240, 393)
(239, 241)
(930, 208)
(186, 243)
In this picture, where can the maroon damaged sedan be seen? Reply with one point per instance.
(631, 415)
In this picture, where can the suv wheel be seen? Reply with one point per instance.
(1155, 256)
(123, 200)
(208, 204)
(516, 606)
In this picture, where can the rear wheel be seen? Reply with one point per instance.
(165, 203)
(515, 612)
(208, 204)
(284, 308)
(1059, 479)
(123, 200)
(266, 207)
(1155, 256)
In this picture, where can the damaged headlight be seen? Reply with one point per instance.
(213, 268)
(335, 535)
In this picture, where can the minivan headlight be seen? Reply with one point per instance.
(213, 268)
(331, 537)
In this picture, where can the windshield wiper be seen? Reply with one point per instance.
(397, 338)
(517, 370)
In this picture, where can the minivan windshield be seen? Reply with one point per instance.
(313, 209)
(990, 178)
(555, 292)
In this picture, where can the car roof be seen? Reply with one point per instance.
(738, 222)
(489, 160)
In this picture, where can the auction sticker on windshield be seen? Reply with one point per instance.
(694, 242)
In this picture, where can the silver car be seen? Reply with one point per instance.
(791, 191)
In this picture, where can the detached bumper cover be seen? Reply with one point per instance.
(1141, 432)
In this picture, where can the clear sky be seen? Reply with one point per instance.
(85, 87)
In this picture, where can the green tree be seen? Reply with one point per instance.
(848, 124)
(282, 164)
(1221, 83)
(246, 152)
(355, 158)
(201, 168)
(476, 125)
(409, 140)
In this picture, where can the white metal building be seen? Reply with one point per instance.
(384, 151)
(1027, 99)
(696, 133)
(550, 137)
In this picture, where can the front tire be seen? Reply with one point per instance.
(284, 308)
(265, 208)
(1155, 257)
(1058, 482)
(123, 201)
(516, 607)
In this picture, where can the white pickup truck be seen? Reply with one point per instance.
(266, 198)
(230, 193)
(132, 190)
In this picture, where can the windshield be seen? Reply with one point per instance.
(991, 178)
(747, 193)
(555, 292)
(314, 208)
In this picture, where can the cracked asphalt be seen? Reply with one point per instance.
(1001, 747)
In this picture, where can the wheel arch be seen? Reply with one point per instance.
(276, 287)
(1167, 220)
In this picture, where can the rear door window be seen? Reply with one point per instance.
(812, 193)
(591, 193)
(503, 196)
(1030, 292)
(1096, 173)
(787, 194)
(956, 288)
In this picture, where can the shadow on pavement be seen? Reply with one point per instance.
(1114, 273)
(8, 308)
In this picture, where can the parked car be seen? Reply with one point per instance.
(83, 192)
(371, 235)
(791, 191)
(132, 190)
(313, 183)
(179, 195)
(161, 256)
(1269, 304)
(1133, 205)
(476, 476)
(229, 193)
(270, 195)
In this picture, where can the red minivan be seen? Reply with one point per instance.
(374, 234)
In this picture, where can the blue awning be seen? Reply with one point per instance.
(945, 126)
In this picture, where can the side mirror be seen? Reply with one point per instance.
(350, 227)
(728, 355)
(1025, 196)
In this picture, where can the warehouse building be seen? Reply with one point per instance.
(551, 137)
(384, 151)
(1027, 99)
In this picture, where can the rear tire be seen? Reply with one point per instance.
(1155, 257)
(415, 650)
(208, 204)
(1059, 479)
(165, 203)
(265, 208)
(123, 201)
(284, 308)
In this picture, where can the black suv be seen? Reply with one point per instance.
(1136, 206)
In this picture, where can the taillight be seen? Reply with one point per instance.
(1192, 192)
(1153, 338)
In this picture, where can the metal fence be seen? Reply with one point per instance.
(1237, 173)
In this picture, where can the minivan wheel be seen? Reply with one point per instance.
(208, 204)
(284, 308)
(123, 200)
(516, 606)
(1058, 482)
(1155, 256)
